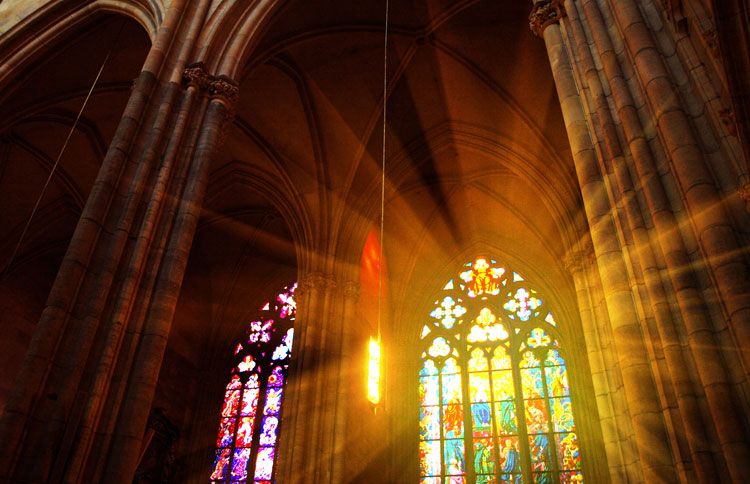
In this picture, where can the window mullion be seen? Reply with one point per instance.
(237, 418)
(463, 358)
(278, 426)
(523, 435)
(443, 469)
(258, 420)
(551, 444)
(495, 433)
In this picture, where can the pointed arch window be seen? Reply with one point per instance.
(251, 415)
(493, 386)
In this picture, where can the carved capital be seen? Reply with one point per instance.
(221, 88)
(195, 75)
(576, 260)
(351, 290)
(227, 92)
(728, 120)
(744, 192)
(675, 14)
(224, 89)
(544, 14)
(313, 281)
(711, 37)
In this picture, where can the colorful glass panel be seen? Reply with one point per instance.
(448, 311)
(531, 382)
(484, 457)
(430, 480)
(239, 463)
(505, 417)
(245, 432)
(264, 463)
(249, 401)
(502, 385)
(568, 453)
(454, 456)
(495, 404)
(429, 423)
(479, 387)
(557, 380)
(429, 457)
(256, 382)
(510, 458)
(429, 390)
(231, 400)
(226, 432)
(221, 464)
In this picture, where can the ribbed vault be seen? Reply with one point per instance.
(37, 110)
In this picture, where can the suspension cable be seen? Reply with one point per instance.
(61, 152)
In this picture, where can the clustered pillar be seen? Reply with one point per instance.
(665, 337)
(85, 389)
(317, 398)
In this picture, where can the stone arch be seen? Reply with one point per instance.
(39, 106)
(231, 33)
(259, 219)
(32, 37)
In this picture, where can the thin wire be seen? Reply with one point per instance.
(62, 151)
(382, 175)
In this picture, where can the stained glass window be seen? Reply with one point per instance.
(251, 414)
(493, 386)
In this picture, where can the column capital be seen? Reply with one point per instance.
(545, 13)
(195, 75)
(351, 289)
(317, 281)
(222, 88)
(729, 121)
(744, 192)
(225, 89)
(578, 259)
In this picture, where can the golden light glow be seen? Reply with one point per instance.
(373, 372)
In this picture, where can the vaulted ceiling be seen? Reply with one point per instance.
(476, 149)
(37, 111)
(477, 157)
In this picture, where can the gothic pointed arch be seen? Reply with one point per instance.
(495, 403)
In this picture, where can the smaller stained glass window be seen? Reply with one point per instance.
(251, 413)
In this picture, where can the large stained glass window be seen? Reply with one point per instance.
(250, 417)
(493, 386)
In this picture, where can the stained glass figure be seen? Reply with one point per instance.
(494, 395)
(251, 413)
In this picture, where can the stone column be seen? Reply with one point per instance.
(123, 308)
(710, 220)
(640, 390)
(294, 386)
(614, 160)
(576, 263)
(313, 438)
(320, 450)
(125, 447)
(623, 427)
(303, 406)
(731, 17)
(109, 312)
(343, 384)
(703, 346)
